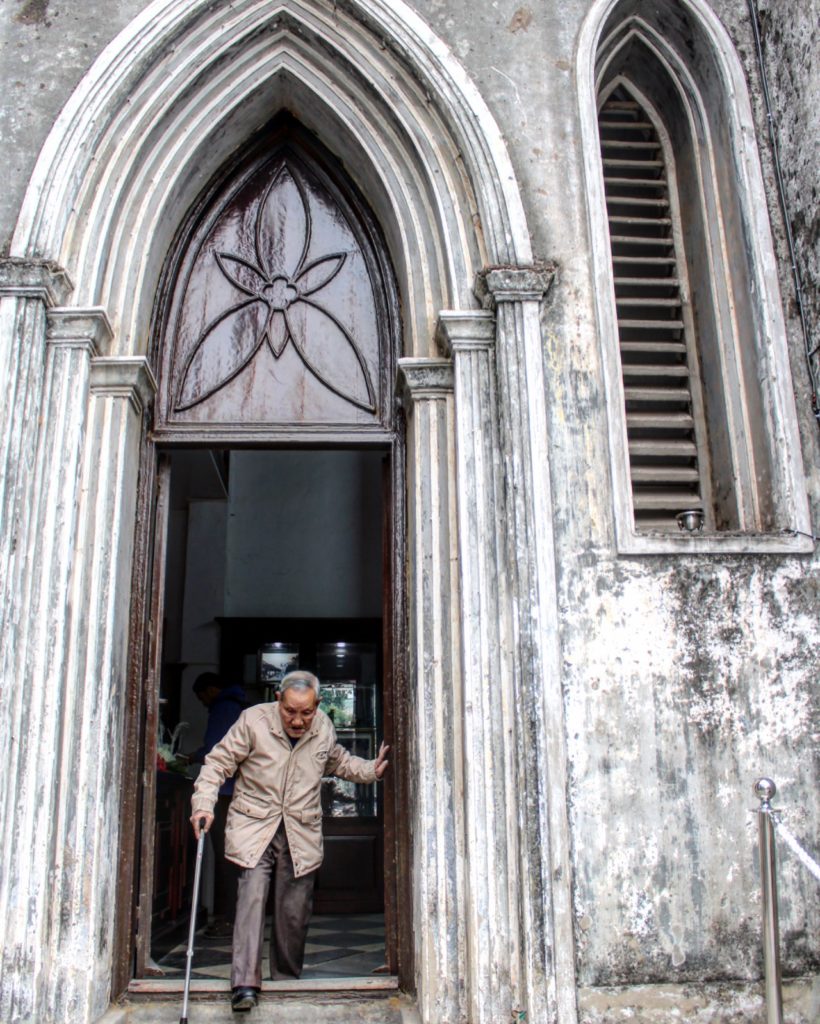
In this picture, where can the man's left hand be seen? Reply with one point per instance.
(381, 761)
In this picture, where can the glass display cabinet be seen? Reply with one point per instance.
(348, 676)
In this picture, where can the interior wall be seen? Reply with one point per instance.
(304, 534)
(298, 535)
(203, 602)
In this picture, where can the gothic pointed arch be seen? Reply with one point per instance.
(162, 113)
(183, 87)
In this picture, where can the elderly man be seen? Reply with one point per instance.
(280, 752)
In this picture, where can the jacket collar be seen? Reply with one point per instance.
(275, 718)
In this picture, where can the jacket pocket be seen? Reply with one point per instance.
(311, 817)
(245, 805)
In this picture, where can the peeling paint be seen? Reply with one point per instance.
(521, 20)
(33, 12)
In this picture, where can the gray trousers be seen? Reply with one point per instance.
(293, 905)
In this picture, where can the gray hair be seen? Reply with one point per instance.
(299, 681)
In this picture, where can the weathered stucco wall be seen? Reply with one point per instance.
(684, 678)
(791, 41)
(691, 688)
(46, 46)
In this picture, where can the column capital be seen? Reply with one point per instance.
(424, 378)
(74, 327)
(513, 284)
(465, 330)
(128, 377)
(34, 279)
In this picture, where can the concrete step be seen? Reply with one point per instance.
(272, 1009)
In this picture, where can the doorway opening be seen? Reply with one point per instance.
(268, 560)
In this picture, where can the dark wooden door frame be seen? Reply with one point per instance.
(153, 671)
(152, 504)
(138, 773)
(306, 160)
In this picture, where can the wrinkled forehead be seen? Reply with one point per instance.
(293, 700)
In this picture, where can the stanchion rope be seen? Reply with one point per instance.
(790, 840)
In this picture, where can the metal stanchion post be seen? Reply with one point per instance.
(765, 790)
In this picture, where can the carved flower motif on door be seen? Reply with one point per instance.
(281, 287)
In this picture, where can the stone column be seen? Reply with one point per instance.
(46, 358)
(28, 288)
(86, 831)
(491, 868)
(437, 823)
(545, 905)
(74, 468)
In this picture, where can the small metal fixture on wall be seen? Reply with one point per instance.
(690, 521)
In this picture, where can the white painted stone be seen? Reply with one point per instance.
(132, 148)
(680, 677)
(545, 922)
(157, 115)
(27, 289)
(41, 806)
(437, 828)
(86, 833)
(493, 942)
(706, 1004)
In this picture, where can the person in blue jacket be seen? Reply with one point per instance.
(225, 703)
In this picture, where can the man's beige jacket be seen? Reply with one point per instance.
(275, 781)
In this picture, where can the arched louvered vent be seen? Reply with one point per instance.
(667, 453)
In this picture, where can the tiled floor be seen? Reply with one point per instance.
(338, 946)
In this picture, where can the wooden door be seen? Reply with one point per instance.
(152, 500)
(153, 662)
(280, 311)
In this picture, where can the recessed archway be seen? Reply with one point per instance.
(284, 270)
(162, 108)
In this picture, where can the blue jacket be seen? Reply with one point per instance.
(222, 714)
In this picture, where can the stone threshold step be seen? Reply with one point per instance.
(205, 986)
(272, 1009)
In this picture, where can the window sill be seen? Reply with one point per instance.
(632, 542)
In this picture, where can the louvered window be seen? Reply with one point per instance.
(668, 454)
(696, 368)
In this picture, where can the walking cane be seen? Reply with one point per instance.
(190, 954)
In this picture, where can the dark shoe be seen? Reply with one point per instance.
(243, 998)
(218, 928)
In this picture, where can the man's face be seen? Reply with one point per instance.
(297, 708)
